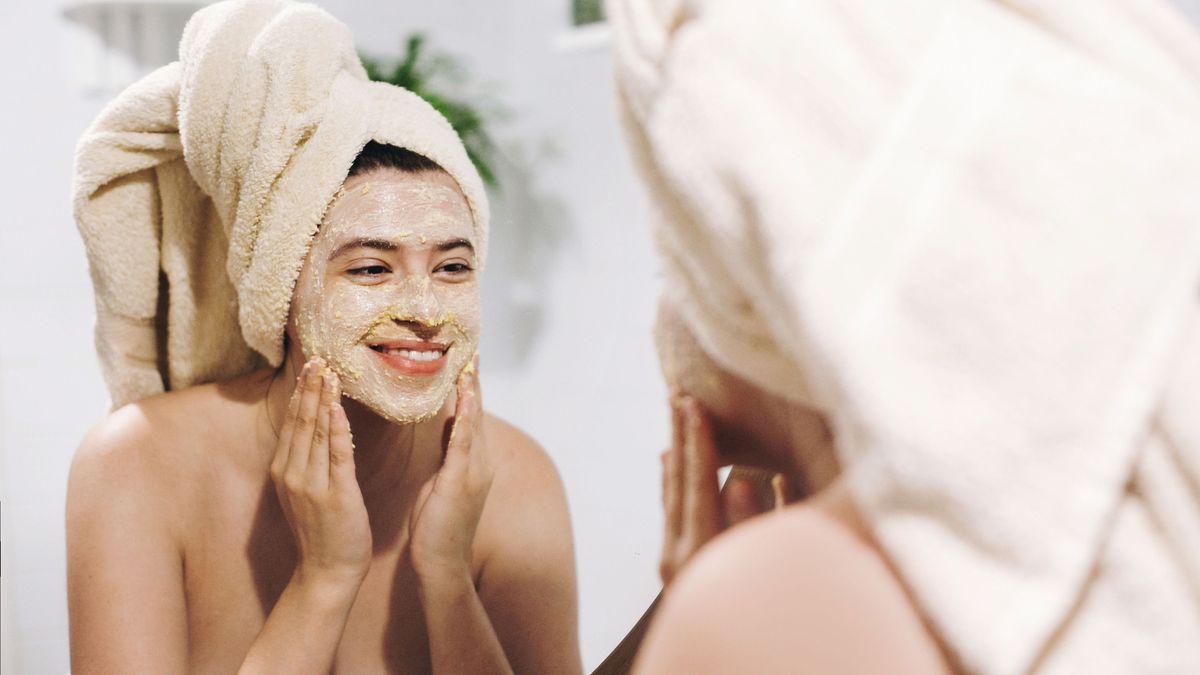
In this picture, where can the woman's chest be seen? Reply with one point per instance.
(238, 562)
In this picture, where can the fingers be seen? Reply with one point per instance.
(740, 500)
(701, 492)
(305, 425)
(779, 489)
(691, 496)
(673, 477)
(284, 442)
(317, 471)
(341, 449)
(672, 497)
(672, 551)
(468, 415)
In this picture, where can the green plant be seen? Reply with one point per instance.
(422, 75)
(587, 11)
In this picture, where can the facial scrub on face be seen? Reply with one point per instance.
(198, 191)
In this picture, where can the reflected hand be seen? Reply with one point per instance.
(695, 508)
(313, 473)
(449, 505)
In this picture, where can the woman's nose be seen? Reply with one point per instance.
(416, 299)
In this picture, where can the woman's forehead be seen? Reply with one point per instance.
(426, 204)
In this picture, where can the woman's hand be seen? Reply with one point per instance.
(448, 507)
(695, 508)
(313, 472)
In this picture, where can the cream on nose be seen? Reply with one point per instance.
(416, 298)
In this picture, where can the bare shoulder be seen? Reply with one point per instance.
(127, 445)
(128, 508)
(797, 591)
(526, 511)
(517, 457)
(155, 444)
(526, 493)
(137, 432)
(526, 555)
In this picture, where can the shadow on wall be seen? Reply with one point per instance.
(529, 227)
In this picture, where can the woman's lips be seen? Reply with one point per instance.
(412, 357)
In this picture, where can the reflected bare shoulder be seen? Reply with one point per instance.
(797, 591)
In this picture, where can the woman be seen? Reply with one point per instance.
(350, 506)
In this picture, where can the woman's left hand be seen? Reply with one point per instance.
(446, 513)
(696, 509)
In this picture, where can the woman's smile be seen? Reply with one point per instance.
(412, 357)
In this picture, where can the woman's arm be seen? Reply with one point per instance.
(124, 563)
(528, 581)
(443, 523)
(525, 611)
(522, 615)
(313, 472)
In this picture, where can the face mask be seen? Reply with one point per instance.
(388, 295)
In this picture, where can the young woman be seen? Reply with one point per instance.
(352, 507)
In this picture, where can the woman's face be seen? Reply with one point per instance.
(749, 424)
(388, 295)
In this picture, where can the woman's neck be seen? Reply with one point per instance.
(391, 460)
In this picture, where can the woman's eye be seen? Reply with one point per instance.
(368, 271)
(454, 268)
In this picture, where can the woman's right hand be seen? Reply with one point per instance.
(313, 472)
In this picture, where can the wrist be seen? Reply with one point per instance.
(441, 566)
(328, 586)
(441, 582)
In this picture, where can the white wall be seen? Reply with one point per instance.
(568, 297)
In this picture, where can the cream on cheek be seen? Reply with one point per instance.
(337, 316)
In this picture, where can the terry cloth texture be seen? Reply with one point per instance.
(199, 189)
(968, 231)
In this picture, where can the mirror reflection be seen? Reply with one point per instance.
(556, 295)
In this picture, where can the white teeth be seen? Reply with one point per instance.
(414, 355)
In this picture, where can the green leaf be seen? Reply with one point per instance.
(417, 72)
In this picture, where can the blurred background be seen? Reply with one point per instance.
(568, 294)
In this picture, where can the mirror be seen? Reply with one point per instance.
(569, 293)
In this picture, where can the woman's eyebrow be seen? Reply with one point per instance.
(364, 242)
(451, 244)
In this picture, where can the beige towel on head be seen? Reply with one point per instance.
(199, 189)
(968, 231)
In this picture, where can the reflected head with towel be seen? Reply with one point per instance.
(937, 263)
